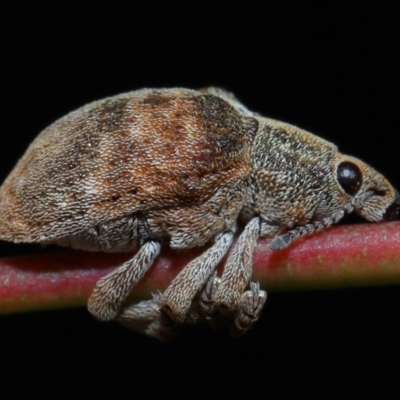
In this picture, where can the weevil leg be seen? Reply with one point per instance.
(206, 304)
(207, 294)
(111, 290)
(232, 301)
(145, 317)
(178, 297)
(237, 270)
(248, 312)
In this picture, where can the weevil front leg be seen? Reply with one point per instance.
(111, 290)
(230, 298)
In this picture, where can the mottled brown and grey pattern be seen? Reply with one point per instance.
(179, 167)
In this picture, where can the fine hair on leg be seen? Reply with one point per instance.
(111, 290)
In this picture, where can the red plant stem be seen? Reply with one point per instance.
(365, 254)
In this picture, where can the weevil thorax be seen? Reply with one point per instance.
(300, 179)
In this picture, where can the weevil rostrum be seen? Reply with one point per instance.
(180, 167)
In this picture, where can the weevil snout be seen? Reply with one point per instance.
(393, 211)
(378, 205)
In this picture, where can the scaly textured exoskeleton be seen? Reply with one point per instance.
(180, 167)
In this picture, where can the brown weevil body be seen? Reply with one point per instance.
(180, 167)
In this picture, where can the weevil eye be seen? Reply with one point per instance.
(349, 177)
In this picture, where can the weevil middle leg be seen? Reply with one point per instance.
(178, 297)
(230, 298)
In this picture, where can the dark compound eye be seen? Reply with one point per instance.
(349, 177)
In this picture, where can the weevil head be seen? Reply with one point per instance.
(369, 192)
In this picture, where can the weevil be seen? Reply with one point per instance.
(181, 167)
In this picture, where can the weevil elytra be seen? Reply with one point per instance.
(180, 167)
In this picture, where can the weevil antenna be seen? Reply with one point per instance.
(282, 241)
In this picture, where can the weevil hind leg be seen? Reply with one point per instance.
(166, 312)
(145, 317)
(111, 290)
(177, 299)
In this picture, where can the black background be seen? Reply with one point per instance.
(329, 67)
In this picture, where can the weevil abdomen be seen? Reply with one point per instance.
(139, 151)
